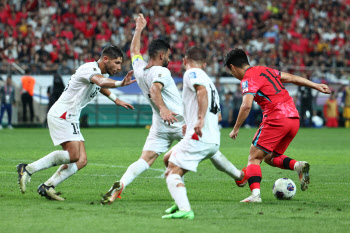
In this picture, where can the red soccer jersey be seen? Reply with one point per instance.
(266, 86)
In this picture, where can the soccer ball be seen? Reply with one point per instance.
(284, 189)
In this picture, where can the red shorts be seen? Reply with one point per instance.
(276, 135)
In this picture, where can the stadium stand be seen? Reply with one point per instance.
(311, 37)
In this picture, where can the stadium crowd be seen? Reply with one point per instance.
(49, 36)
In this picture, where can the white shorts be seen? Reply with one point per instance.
(188, 153)
(63, 131)
(160, 142)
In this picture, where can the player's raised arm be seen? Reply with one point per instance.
(297, 80)
(156, 97)
(202, 99)
(136, 40)
(244, 111)
(113, 97)
(103, 82)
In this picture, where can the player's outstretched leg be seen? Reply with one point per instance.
(23, 177)
(49, 192)
(53, 159)
(113, 193)
(302, 168)
(223, 164)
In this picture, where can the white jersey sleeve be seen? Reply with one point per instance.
(163, 76)
(85, 73)
(195, 79)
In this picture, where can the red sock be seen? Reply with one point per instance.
(254, 176)
(284, 162)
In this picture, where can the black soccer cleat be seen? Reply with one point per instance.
(49, 192)
(23, 177)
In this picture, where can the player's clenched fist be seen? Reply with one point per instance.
(140, 22)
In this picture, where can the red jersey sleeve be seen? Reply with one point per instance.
(251, 84)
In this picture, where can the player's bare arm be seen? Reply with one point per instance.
(156, 96)
(107, 93)
(297, 80)
(103, 82)
(243, 114)
(202, 99)
(136, 40)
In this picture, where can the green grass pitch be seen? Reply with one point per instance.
(213, 195)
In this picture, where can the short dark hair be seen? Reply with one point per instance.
(197, 54)
(236, 57)
(157, 46)
(112, 52)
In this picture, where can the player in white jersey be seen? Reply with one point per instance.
(63, 120)
(159, 88)
(202, 138)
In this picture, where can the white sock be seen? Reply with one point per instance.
(223, 164)
(62, 174)
(255, 192)
(55, 158)
(179, 194)
(133, 171)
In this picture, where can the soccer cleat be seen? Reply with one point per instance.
(302, 168)
(252, 198)
(49, 192)
(180, 215)
(243, 182)
(172, 209)
(23, 177)
(113, 193)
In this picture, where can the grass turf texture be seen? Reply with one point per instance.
(213, 195)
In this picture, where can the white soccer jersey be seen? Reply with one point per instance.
(170, 94)
(210, 130)
(78, 93)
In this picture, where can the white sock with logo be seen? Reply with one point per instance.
(133, 171)
(178, 193)
(55, 158)
(62, 174)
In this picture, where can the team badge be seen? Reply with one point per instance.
(95, 69)
(245, 86)
(192, 75)
(159, 75)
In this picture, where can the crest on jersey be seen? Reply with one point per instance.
(159, 75)
(192, 75)
(245, 86)
(95, 69)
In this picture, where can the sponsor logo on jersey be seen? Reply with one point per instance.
(245, 86)
(192, 75)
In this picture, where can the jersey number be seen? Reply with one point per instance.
(214, 107)
(273, 82)
(75, 128)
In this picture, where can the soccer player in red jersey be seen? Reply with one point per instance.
(280, 121)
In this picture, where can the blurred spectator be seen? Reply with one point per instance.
(28, 83)
(7, 97)
(305, 98)
(227, 111)
(330, 111)
(346, 109)
(54, 92)
(237, 101)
